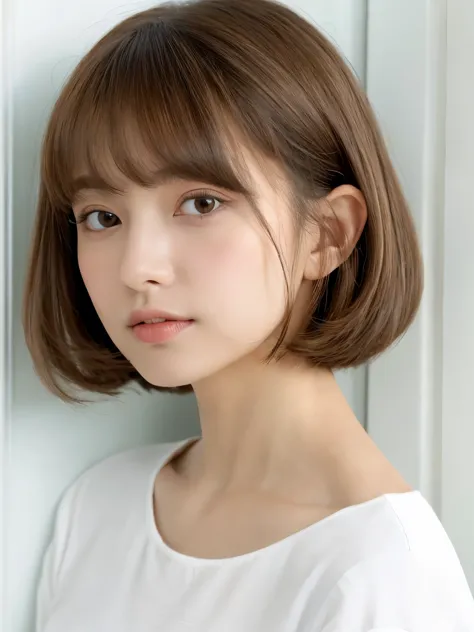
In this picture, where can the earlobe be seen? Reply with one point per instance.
(341, 217)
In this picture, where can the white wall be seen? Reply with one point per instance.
(48, 442)
(458, 306)
(4, 293)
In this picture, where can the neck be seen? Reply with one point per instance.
(265, 425)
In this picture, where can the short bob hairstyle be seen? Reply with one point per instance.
(176, 76)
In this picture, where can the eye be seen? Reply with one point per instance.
(200, 204)
(98, 220)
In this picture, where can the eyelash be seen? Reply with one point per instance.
(82, 217)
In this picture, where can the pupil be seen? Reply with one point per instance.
(204, 209)
(107, 218)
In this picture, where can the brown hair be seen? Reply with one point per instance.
(177, 77)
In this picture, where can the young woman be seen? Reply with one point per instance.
(218, 213)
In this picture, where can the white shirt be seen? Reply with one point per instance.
(385, 565)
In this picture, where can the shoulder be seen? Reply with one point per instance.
(97, 507)
(106, 495)
(114, 479)
(417, 585)
(400, 592)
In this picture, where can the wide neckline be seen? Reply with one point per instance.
(238, 559)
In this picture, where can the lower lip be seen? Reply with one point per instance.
(160, 332)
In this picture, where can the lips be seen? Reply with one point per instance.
(140, 316)
(161, 332)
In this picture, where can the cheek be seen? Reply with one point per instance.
(240, 281)
(96, 267)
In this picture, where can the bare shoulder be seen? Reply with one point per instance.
(370, 479)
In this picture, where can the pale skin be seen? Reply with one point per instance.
(280, 449)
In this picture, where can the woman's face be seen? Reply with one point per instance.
(206, 260)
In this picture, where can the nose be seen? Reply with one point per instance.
(146, 259)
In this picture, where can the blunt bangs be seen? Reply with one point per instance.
(147, 109)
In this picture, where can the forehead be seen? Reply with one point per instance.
(117, 183)
(261, 175)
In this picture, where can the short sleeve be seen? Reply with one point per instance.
(400, 593)
(57, 553)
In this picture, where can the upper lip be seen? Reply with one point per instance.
(141, 315)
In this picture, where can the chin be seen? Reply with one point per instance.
(165, 381)
(171, 384)
(176, 370)
(171, 379)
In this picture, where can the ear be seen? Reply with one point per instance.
(341, 217)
